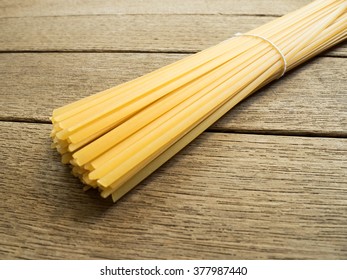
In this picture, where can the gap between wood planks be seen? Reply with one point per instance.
(288, 133)
(324, 54)
(151, 14)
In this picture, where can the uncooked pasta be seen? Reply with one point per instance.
(116, 138)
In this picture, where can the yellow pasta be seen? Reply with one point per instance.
(116, 138)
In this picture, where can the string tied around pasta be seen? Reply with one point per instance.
(284, 68)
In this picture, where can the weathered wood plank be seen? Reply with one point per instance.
(19, 8)
(311, 99)
(224, 197)
(164, 33)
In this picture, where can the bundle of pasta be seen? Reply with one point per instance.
(116, 138)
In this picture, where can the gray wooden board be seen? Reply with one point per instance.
(226, 196)
(145, 33)
(29, 8)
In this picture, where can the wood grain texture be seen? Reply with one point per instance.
(149, 33)
(19, 8)
(310, 100)
(226, 196)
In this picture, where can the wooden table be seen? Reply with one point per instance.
(268, 181)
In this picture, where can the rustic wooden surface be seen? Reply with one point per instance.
(126, 33)
(19, 8)
(267, 181)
